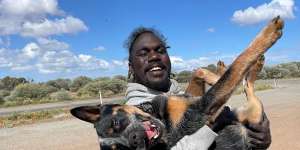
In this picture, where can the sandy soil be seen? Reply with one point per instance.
(282, 106)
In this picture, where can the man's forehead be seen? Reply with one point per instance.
(147, 39)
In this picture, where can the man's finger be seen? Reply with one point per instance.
(255, 135)
(263, 126)
(257, 144)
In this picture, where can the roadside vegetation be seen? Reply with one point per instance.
(20, 91)
(18, 119)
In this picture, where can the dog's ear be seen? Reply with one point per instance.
(87, 113)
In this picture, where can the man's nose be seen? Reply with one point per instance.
(153, 55)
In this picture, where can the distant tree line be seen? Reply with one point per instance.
(285, 70)
(20, 91)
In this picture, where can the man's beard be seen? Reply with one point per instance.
(163, 85)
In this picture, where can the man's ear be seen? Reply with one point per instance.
(87, 113)
(130, 72)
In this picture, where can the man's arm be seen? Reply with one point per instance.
(200, 140)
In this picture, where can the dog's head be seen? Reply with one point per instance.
(122, 126)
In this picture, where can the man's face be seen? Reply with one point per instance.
(150, 62)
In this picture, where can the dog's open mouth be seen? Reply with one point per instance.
(152, 131)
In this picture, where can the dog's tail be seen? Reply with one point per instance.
(218, 95)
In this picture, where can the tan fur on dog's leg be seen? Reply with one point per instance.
(221, 68)
(201, 76)
(196, 86)
(253, 109)
(219, 94)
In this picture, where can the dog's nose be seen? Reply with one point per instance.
(137, 139)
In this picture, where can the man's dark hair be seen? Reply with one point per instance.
(137, 32)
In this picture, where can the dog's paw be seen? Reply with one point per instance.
(221, 68)
(274, 29)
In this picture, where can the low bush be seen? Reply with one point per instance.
(60, 95)
(31, 91)
(107, 87)
(3, 94)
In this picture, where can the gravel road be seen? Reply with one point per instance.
(282, 106)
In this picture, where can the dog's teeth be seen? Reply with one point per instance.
(153, 126)
(156, 136)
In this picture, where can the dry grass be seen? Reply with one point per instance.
(18, 119)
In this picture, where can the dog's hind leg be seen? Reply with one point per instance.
(219, 94)
(221, 68)
(200, 77)
(252, 111)
(196, 86)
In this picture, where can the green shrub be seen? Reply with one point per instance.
(60, 83)
(107, 87)
(9, 83)
(103, 79)
(60, 95)
(120, 77)
(115, 85)
(90, 90)
(183, 76)
(3, 94)
(31, 91)
(79, 82)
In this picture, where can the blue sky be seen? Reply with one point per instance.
(49, 39)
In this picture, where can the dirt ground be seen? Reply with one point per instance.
(282, 106)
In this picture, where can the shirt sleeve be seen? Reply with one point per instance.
(200, 140)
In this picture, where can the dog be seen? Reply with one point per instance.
(161, 123)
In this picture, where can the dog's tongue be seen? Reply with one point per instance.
(150, 131)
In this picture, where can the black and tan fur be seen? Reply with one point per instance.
(171, 118)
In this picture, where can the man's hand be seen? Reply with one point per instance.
(259, 134)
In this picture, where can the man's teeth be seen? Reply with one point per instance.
(155, 69)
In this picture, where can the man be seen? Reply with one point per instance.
(150, 66)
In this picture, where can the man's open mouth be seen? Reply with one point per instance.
(157, 67)
(151, 130)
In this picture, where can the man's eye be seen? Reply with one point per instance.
(161, 50)
(141, 53)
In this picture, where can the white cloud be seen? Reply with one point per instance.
(84, 58)
(28, 8)
(179, 64)
(99, 48)
(57, 61)
(31, 18)
(52, 44)
(266, 11)
(31, 50)
(211, 30)
(120, 63)
(49, 56)
(55, 27)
